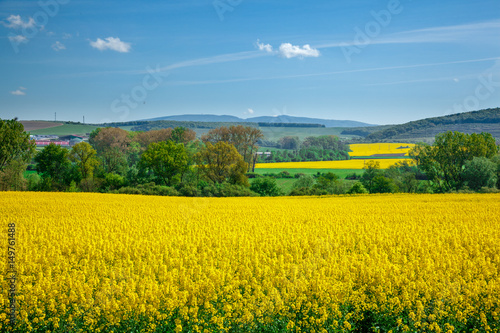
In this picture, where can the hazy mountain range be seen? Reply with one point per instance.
(264, 119)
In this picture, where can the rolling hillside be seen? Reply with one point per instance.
(426, 129)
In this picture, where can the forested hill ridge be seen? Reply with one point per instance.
(487, 120)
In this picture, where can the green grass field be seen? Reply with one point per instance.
(66, 129)
(286, 183)
(342, 173)
(274, 133)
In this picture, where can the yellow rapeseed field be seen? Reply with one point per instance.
(344, 164)
(378, 263)
(368, 149)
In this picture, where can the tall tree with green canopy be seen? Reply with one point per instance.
(15, 143)
(53, 162)
(444, 161)
(222, 162)
(166, 160)
(85, 158)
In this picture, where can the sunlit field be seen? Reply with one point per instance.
(368, 149)
(118, 263)
(344, 164)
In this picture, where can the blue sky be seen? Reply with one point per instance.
(379, 62)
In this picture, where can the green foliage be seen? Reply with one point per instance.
(53, 161)
(305, 181)
(15, 143)
(166, 160)
(113, 181)
(480, 172)
(221, 162)
(12, 176)
(85, 158)
(383, 184)
(404, 176)
(357, 188)
(372, 170)
(302, 191)
(148, 189)
(266, 187)
(444, 161)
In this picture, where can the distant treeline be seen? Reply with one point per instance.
(144, 125)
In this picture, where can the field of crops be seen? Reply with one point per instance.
(368, 149)
(345, 164)
(118, 263)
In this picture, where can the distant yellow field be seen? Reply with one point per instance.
(346, 164)
(368, 149)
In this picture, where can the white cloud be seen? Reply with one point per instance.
(111, 43)
(18, 39)
(19, 92)
(58, 46)
(250, 111)
(15, 22)
(288, 50)
(264, 47)
(66, 36)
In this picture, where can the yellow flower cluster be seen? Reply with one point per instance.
(118, 263)
(368, 149)
(344, 164)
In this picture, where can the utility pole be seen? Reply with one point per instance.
(55, 116)
(84, 119)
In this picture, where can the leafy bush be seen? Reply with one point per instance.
(266, 187)
(357, 188)
(303, 182)
(479, 172)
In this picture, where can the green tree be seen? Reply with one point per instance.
(220, 162)
(357, 188)
(480, 172)
(53, 162)
(266, 187)
(381, 184)
(167, 160)
(85, 158)
(372, 170)
(15, 143)
(12, 178)
(305, 181)
(444, 161)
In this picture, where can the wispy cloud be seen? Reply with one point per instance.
(16, 22)
(19, 92)
(58, 46)
(264, 47)
(18, 39)
(202, 82)
(445, 34)
(111, 43)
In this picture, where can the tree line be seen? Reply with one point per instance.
(172, 161)
(165, 161)
(313, 148)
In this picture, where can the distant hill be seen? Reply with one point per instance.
(426, 129)
(265, 119)
(208, 118)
